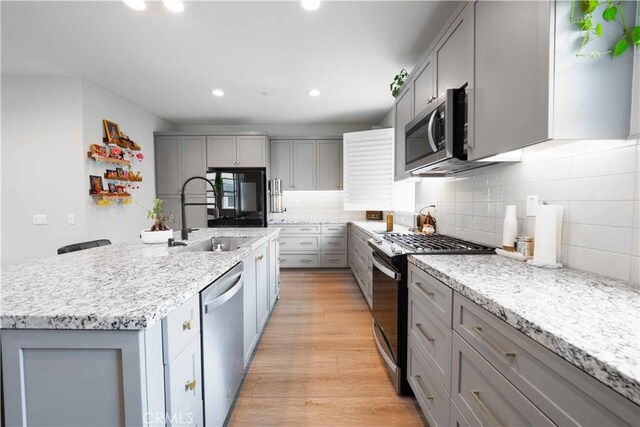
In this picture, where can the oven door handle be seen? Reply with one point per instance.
(386, 270)
(430, 131)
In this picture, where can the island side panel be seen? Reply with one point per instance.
(74, 377)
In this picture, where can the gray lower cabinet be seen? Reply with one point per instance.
(313, 246)
(494, 374)
(360, 262)
(403, 115)
(274, 271)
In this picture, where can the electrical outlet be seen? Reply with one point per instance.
(532, 205)
(296, 203)
(71, 219)
(40, 219)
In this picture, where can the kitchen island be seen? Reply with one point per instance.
(111, 335)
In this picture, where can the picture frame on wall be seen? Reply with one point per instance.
(112, 130)
(95, 183)
(120, 173)
(112, 187)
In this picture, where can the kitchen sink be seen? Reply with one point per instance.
(222, 244)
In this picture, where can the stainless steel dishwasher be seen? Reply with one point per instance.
(222, 344)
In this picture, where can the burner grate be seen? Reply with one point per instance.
(436, 243)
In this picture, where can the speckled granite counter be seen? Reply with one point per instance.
(122, 286)
(592, 321)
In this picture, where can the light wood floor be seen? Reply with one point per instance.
(317, 363)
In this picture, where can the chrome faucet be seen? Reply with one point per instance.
(184, 232)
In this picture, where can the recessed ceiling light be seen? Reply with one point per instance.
(217, 92)
(310, 4)
(136, 4)
(314, 92)
(174, 5)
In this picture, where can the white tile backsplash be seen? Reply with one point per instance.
(597, 182)
(315, 205)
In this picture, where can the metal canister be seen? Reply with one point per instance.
(524, 245)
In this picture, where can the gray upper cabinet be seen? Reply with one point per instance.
(511, 93)
(221, 151)
(251, 151)
(281, 162)
(424, 86)
(329, 165)
(404, 114)
(193, 151)
(168, 167)
(247, 151)
(304, 165)
(454, 53)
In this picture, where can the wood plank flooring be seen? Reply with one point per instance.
(317, 363)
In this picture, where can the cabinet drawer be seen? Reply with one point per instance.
(437, 296)
(334, 243)
(456, 419)
(183, 381)
(565, 394)
(300, 243)
(300, 229)
(334, 229)
(432, 338)
(484, 396)
(334, 259)
(431, 395)
(179, 328)
(299, 260)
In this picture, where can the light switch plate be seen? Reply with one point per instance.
(40, 219)
(71, 219)
(532, 205)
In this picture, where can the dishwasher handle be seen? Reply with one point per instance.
(218, 301)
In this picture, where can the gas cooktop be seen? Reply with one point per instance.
(436, 244)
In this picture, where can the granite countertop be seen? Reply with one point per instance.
(591, 321)
(293, 221)
(369, 227)
(126, 286)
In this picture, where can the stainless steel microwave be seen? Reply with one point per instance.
(436, 139)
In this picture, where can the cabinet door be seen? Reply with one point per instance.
(274, 268)
(221, 151)
(404, 114)
(262, 286)
(192, 157)
(304, 165)
(168, 176)
(329, 167)
(281, 162)
(196, 215)
(453, 54)
(251, 151)
(423, 87)
(511, 79)
(250, 314)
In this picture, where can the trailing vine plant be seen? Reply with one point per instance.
(397, 82)
(612, 12)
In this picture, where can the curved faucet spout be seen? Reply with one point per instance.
(184, 232)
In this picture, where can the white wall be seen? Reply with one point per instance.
(47, 125)
(388, 120)
(597, 182)
(281, 130)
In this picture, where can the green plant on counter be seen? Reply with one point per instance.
(397, 82)
(614, 13)
(158, 216)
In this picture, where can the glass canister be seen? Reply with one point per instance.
(524, 245)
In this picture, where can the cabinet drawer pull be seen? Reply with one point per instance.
(424, 389)
(259, 257)
(333, 228)
(283, 243)
(306, 261)
(306, 229)
(425, 290)
(190, 385)
(306, 243)
(334, 243)
(187, 325)
(478, 331)
(424, 332)
(282, 259)
(476, 396)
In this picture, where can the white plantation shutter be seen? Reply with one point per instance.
(368, 170)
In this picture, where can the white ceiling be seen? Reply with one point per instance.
(168, 63)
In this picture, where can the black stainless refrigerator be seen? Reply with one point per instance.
(241, 197)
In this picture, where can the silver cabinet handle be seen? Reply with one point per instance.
(425, 290)
(306, 243)
(424, 332)
(218, 301)
(476, 396)
(306, 261)
(306, 229)
(424, 389)
(282, 259)
(490, 343)
(335, 243)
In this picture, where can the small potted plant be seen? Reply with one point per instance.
(159, 232)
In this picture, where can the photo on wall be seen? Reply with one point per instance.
(95, 183)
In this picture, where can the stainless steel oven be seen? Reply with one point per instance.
(389, 289)
(436, 139)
